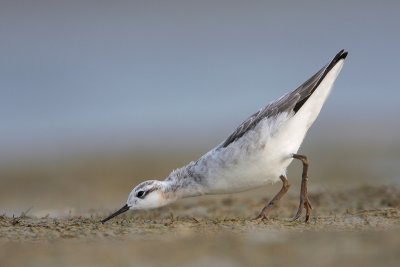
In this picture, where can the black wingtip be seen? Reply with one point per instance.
(341, 55)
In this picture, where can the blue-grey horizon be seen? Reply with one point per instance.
(84, 71)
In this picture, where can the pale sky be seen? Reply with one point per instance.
(109, 72)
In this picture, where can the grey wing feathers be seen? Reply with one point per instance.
(286, 102)
(292, 101)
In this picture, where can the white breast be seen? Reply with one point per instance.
(252, 161)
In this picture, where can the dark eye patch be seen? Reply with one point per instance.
(141, 194)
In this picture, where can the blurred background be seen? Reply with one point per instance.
(96, 96)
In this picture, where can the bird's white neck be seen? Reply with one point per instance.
(182, 183)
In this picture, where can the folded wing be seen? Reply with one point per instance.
(291, 102)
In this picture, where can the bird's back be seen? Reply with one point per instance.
(293, 101)
(261, 148)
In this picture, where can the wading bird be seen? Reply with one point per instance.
(255, 154)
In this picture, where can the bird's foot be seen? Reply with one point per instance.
(260, 217)
(304, 203)
(263, 216)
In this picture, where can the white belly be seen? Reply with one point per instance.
(257, 159)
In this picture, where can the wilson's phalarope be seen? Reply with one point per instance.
(255, 154)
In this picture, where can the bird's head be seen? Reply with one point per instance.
(147, 195)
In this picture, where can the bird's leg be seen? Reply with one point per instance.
(304, 201)
(285, 186)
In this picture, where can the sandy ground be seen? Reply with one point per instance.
(57, 204)
(352, 228)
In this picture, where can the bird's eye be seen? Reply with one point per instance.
(140, 194)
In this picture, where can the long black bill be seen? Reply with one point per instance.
(118, 212)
